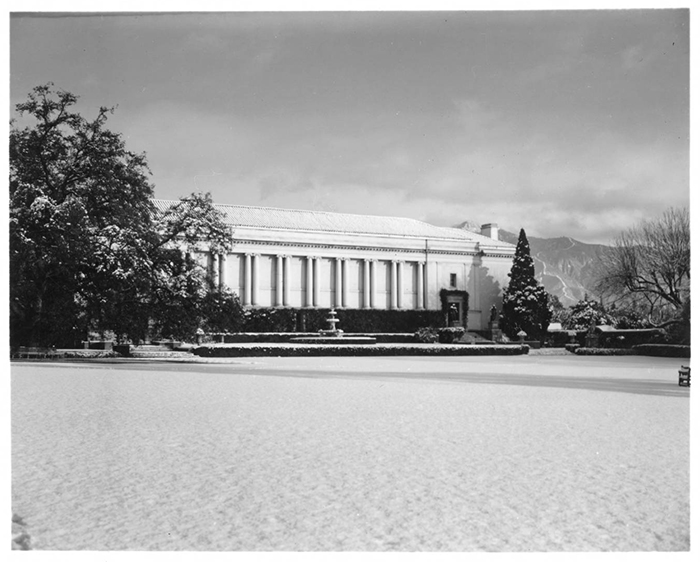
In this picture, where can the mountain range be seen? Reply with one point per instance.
(563, 265)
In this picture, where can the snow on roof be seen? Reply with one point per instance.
(295, 219)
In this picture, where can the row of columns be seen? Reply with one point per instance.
(311, 295)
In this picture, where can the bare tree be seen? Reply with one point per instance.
(650, 263)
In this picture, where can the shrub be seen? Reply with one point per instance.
(426, 335)
(587, 312)
(450, 335)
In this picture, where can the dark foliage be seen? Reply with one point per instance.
(663, 350)
(88, 252)
(367, 321)
(450, 335)
(525, 303)
(356, 350)
(426, 335)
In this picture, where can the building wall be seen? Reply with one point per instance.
(300, 269)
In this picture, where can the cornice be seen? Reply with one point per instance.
(329, 247)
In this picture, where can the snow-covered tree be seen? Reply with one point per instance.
(586, 312)
(88, 251)
(526, 304)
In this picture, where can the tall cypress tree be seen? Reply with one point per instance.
(525, 302)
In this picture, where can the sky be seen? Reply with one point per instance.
(564, 123)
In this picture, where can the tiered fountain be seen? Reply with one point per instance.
(333, 335)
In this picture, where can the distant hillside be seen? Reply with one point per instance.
(563, 265)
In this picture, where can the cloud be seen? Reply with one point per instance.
(526, 121)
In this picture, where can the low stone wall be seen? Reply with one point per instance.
(284, 337)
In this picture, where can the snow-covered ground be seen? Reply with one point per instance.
(442, 454)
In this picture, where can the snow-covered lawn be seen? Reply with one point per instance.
(453, 453)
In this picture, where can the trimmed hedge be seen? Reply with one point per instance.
(353, 320)
(561, 338)
(629, 338)
(615, 339)
(605, 351)
(223, 350)
(663, 350)
(651, 349)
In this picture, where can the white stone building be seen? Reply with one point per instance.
(295, 258)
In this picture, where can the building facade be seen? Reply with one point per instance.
(295, 258)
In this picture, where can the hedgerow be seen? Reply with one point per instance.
(606, 351)
(663, 350)
(358, 321)
(224, 350)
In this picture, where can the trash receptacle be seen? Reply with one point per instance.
(684, 376)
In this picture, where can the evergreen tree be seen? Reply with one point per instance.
(525, 303)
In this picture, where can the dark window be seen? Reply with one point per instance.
(453, 279)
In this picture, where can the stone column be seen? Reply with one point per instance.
(254, 280)
(399, 284)
(419, 286)
(222, 270)
(247, 280)
(316, 265)
(373, 284)
(392, 290)
(344, 290)
(285, 281)
(338, 282)
(309, 280)
(279, 283)
(365, 284)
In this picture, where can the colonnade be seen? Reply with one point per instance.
(310, 294)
